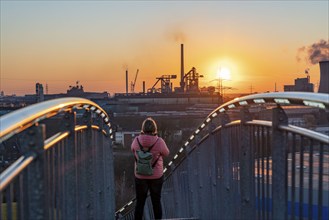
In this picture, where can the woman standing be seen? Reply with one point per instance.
(149, 141)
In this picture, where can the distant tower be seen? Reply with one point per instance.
(182, 83)
(324, 77)
(39, 92)
(127, 82)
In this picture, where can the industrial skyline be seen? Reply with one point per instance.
(263, 44)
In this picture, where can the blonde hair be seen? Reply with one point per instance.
(149, 127)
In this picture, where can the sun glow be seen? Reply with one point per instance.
(224, 73)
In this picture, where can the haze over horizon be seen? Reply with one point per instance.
(262, 43)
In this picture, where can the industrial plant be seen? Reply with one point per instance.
(162, 91)
(305, 85)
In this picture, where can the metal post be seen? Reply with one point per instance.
(279, 166)
(70, 171)
(109, 178)
(214, 174)
(192, 184)
(33, 142)
(247, 171)
(86, 173)
(226, 199)
(98, 171)
(101, 168)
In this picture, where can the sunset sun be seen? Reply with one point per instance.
(224, 73)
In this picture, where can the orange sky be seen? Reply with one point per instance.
(58, 43)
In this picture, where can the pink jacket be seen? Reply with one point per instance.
(160, 150)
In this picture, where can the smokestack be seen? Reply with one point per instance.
(143, 87)
(324, 77)
(127, 82)
(182, 84)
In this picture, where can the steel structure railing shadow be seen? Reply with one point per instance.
(64, 172)
(247, 168)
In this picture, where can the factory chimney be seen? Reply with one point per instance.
(324, 77)
(143, 87)
(182, 84)
(127, 82)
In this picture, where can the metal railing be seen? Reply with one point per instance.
(65, 170)
(248, 169)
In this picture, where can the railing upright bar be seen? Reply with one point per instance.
(98, 171)
(320, 187)
(227, 199)
(109, 178)
(262, 153)
(80, 163)
(53, 182)
(310, 183)
(90, 174)
(177, 195)
(61, 202)
(197, 179)
(268, 151)
(101, 169)
(279, 161)
(247, 184)
(9, 201)
(85, 188)
(193, 205)
(301, 177)
(214, 175)
(48, 185)
(25, 209)
(257, 181)
(293, 176)
(70, 174)
(34, 141)
(286, 170)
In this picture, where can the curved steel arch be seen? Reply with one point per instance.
(318, 100)
(14, 122)
(56, 161)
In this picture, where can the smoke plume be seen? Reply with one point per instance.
(124, 66)
(176, 35)
(314, 53)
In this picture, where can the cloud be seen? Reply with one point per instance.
(314, 53)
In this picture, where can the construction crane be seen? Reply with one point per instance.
(132, 84)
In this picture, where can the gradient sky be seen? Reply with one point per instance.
(61, 42)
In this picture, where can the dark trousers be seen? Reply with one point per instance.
(142, 187)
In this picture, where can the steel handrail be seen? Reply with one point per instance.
(318, 100)
(305, 132)
(14, 122)
(21, 163)
(294, 129)
(15, 169)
